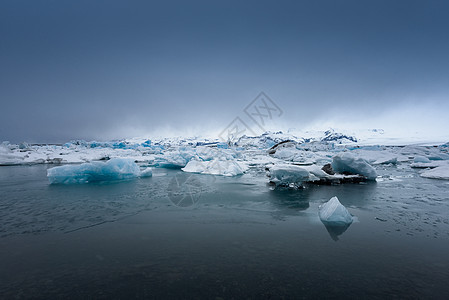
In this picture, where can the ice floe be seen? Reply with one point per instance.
(114, 169)
(440, 172)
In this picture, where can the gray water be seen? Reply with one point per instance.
(179, 235)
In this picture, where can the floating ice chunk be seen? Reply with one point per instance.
(8, 157)
(206, 153)
(295, 155)
(24, 145)
(195, 166)
(285, 153)
(215, 167)
(441, 172)
(284, 175)
(333, 213)
(421, 159)
(348, 163)
(379, 157)
(431, 164)
(176, 159)
(147, 143)
(386, 161)
(114, 169)
(148, 172)
(223, 145)
(317, 171)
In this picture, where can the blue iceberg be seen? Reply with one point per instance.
(114, 169)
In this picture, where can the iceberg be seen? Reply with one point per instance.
(333, 213)
(214, 167)
(114, 169)
(348, 163)
(441, 172)
(285, 175)
(7, 156)
(288, 154)
(148, 172)
(175, 159)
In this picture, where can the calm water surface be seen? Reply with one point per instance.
(178, 235)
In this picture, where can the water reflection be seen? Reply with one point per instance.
(336, 231)
(287, 202)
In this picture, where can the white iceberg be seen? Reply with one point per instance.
(348, 163)
(179, 158)
(148, 172)
(441, 172)
(285, 175)
(114, 169)
(215, 167)
(317, 171)
(175, 159)
(7, 156)
(333, 213)
(386, 160)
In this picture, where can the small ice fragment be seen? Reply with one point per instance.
(148, 172)
(333, 213)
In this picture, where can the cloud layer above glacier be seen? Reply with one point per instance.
(111, 69)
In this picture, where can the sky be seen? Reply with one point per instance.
(100, 70)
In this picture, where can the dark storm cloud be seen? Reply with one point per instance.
(108, 69)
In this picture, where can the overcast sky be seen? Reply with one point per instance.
(112, 69)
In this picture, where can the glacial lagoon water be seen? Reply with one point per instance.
(187, 236)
